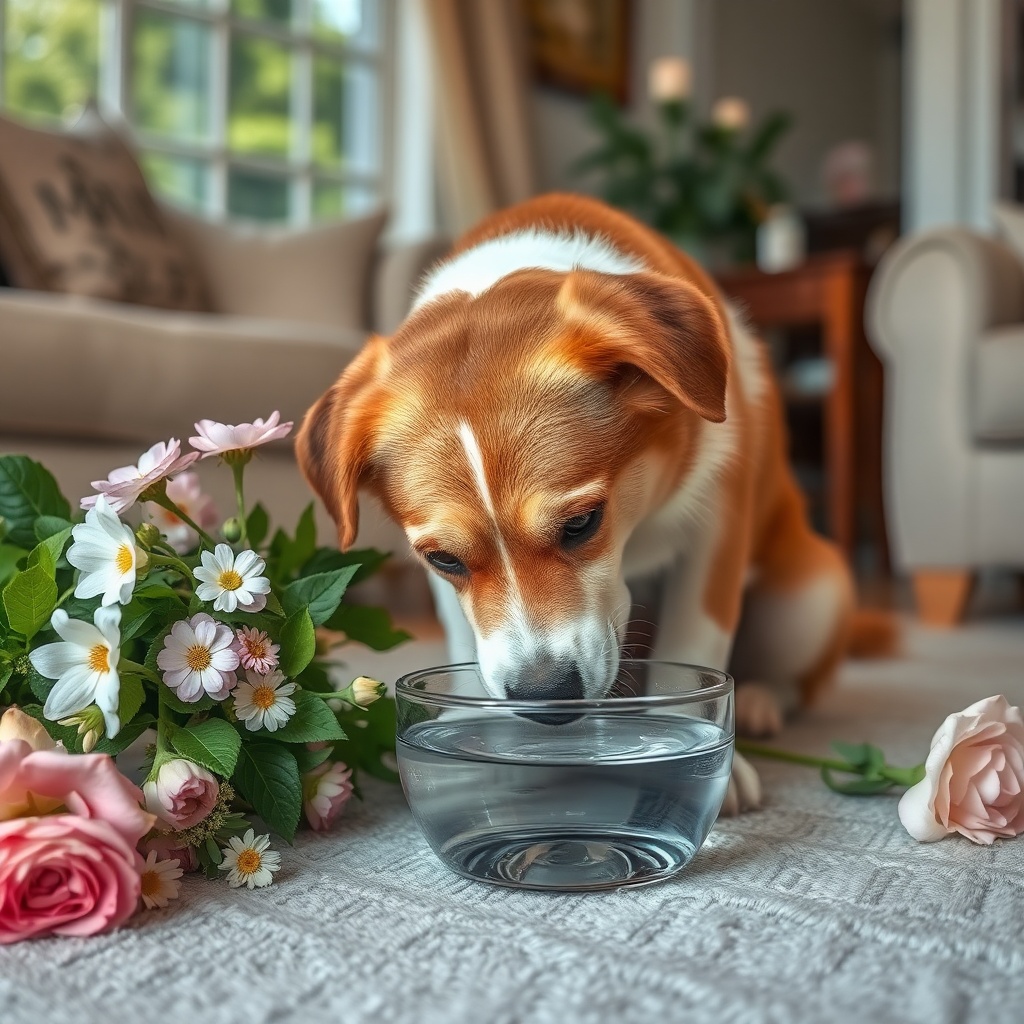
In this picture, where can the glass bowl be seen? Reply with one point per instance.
(567, 794)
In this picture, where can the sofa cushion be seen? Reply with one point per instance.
(76, 217)
(998, 405)
(102, 370)
(318, 275)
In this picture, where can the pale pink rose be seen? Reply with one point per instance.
(186, 493)
(325, 791)
(167, 847)
(219, 438)
(182, 794)
(65, 875)
(34, 782)
(16, 725)
(124, 486)
(974, 777)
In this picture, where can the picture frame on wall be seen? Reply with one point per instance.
(580, 46)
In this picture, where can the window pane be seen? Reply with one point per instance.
(333, 201)
(178, 178)
(51, 55)
(260, 96)
(257, 196)
(263, 10)
(352, 20)
(344, 115)
(171, 79)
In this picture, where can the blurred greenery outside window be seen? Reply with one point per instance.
(261, 109)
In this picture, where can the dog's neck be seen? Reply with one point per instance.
(477, 269)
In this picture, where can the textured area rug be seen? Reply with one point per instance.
(819, 908)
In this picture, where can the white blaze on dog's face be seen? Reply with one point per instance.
(518, 437)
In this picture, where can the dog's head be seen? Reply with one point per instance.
(518, 437)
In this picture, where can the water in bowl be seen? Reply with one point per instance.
(596, 803)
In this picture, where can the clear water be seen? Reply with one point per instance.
(596, 803)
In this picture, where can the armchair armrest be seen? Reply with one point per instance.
(400, 268)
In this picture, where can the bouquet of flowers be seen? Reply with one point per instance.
(214, 645)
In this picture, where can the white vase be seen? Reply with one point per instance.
(781, 240)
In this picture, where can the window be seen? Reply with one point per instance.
(264, 109)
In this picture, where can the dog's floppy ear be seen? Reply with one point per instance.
(333, 444)
(660, 325)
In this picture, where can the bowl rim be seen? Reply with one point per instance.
(724, 686)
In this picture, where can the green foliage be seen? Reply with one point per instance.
(267, 775)
(369, 626)
(320, 594)
(697, 183)
(298, 643)
(29, 600)
(27, 491)
(214, 744)
(313, 722)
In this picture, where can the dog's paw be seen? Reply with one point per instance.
(758, 712)
(744, 788)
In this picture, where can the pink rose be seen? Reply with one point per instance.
(65, 875)
(182, 794)
(974, 777)
(325, 791)
(34, 782)
(167, 847)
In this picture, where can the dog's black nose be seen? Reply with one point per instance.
(565, 684)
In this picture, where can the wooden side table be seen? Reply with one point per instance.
(829, 290)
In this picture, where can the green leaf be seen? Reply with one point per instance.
(369, 626)
(867, 759)
(313, 722)
(130, 699)
(321, 593)
(856, 787)
(296, 552)
(10, 556)
(171, 700)
(366, 560)
(47, 526)
(47, 552)
(267, 775)
(126, 735)
(256, 525)
(212, 744)
(6, 671)
(157, 589)
(310, 759)
(39, 685)
(29, 599)
(28, 491)
(298, 643)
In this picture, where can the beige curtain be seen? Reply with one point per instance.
(485, 148)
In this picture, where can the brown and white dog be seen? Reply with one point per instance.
(569, 405)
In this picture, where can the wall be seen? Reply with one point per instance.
(835, 64)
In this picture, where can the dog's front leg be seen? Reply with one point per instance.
(700, 610)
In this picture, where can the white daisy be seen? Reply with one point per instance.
(198, 657)
(232, 581)
(262, 702)
(248, 861)
(185, 492)
(160, 882)
(105, 552)
(84, 665)
(124, 486)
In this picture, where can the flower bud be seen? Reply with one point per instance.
(90, 726)
(147, 535)
(731, 114)
(182, 794)
(141, 563)
(363, 691)
(232, 530)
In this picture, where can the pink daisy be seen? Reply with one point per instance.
(255, 651)
(186, 493)
(222, 438)
(124, 486)
(325, 791)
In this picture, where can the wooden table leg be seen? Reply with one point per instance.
(839, 330)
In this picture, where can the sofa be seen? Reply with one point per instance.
(89, 384)
(946, 315)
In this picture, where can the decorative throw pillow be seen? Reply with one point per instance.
(77, 217)
(318, 275)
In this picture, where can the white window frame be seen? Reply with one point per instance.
(298, 168)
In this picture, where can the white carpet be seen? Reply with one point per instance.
(820, 908)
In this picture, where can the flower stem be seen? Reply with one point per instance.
(763, 750)
(238, 472)
(164, 502)
(134, 668)
(171, 562)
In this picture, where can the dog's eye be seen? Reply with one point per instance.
(581, 528)
(446, 562)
